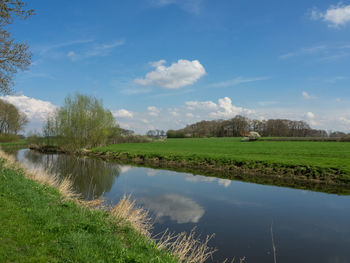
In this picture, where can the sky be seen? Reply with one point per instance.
(163, 64)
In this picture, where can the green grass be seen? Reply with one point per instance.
(37, 225)
(20, 142)
(318, 155)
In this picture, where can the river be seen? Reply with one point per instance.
(307, 226)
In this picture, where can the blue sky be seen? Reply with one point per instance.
(166, 63)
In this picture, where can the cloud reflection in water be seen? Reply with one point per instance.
(178, 208)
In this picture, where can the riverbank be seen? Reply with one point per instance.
(320, 166)
(43, 223)
(317, 166)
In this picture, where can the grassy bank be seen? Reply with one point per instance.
(39, 224)
(318, 162)
(18, 143)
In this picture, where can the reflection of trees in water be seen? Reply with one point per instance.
(91, 177)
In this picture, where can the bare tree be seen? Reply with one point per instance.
(13, 56)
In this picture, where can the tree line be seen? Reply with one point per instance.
(241, 125)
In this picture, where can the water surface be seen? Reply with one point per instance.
(307, 226)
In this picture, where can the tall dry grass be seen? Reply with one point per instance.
(186, 247)
(136, 216)
(64, 186)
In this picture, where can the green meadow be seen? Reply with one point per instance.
(310, 154)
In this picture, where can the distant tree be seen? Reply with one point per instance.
(11, 119)
(81, 122)
(13, 56)
(155, 133)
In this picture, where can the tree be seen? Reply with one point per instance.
(11, 119)
(81, 122)
(13, 56)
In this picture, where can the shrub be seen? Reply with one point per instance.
(345, 138)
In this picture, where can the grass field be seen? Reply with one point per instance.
(19, 143)
(318, 155)
(37, 225)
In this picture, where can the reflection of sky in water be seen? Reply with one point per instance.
(178, 208)
(308, 226)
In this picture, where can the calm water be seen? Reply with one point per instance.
(308, 226)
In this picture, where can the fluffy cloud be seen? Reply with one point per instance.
(227, 110)
(122, 114)
(177, 75)
(34, 109)
(335, 15)
(179, 208)
(310, 115)
(153, 111)
(222, 109)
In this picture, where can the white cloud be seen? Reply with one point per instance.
(345, 120)
(189, 115)
(153, 111)
(96, 50)
(224, 182)
(191, 6)
(310, 115)
(205, 105)
(227, 110)
(179, 208)
(125, 168)
(44, 49)
(179, 74)
(307, 95)
(71, 54)
(336, 79)
(335, 15)
(236, 81)
(33, 108)
(122, 113)
(305, 51)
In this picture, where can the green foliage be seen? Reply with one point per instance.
(81, 122)
(175, 134)
(38, 226)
